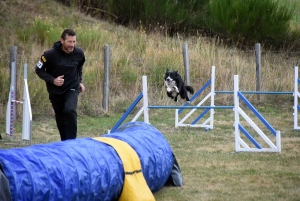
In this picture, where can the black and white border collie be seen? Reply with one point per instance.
(175, 86)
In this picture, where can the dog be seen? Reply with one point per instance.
(175, 86)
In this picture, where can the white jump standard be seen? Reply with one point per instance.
(27, 114)
(240, 144)
(296, 95)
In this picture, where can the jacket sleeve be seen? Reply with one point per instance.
(40, 70)
(80, 66)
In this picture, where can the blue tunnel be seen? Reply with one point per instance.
(85, 169)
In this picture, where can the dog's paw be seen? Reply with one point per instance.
(176, 89)
(168, 89)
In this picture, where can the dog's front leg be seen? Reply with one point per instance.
(170, 95)
(176, 98)
(176, 89)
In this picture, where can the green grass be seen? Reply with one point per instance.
(295, 4)
(211, 168)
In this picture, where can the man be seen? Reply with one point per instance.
(61, 68)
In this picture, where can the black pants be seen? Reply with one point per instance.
(64, 107)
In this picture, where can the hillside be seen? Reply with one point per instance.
(17, 15)
(34, 25)
(24, 23)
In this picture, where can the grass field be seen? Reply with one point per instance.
(211, 168)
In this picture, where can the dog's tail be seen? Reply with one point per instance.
(189, 89)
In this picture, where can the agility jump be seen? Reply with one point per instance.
(240, 144)
(208, 123)
(27, 113)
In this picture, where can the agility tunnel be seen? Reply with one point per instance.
(128, 164)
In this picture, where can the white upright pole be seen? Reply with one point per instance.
(212, 100)
(296, 95)
(176, 118)
(27, 113)
(145, 99)
(278, 141)
(236, 113)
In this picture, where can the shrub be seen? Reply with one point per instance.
(180, 15)
(249, 21)
(42, 31)
(173, 15)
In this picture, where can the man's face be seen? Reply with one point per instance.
(68, 44)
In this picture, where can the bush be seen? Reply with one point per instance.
(249, 21)
(173, 15)
(180, 15)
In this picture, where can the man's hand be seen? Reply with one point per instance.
(81, 88)
(59, 81)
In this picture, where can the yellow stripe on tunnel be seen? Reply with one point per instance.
(135, 187)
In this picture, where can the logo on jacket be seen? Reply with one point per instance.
(39, 64)
(44, 59)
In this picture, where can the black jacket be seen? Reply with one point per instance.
(55, 62)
